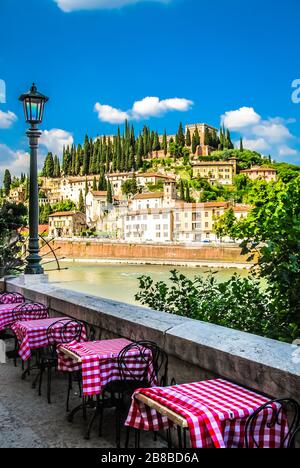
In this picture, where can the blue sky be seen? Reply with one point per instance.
(198, 60)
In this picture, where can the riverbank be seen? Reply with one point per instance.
(201, 264)
(215, 256)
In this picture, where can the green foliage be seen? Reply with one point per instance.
(47, 209)
(272, 230)
(12, 218)
(224, 223)
(245, 158)
(130, 187)
(239, 303)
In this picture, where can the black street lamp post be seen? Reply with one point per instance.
(34, 104)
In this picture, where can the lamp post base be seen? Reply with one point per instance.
(33, 279)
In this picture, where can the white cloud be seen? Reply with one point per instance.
(286, 150)
(15, 161)
(144, 109)
(110, 114)
(241, 118)
(273, 131)
(267, 136)
(259, 144)
(54, 140)
(7, 119)
(72, 5)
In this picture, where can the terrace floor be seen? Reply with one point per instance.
(28, 421)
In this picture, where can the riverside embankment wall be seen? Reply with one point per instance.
(91, 249)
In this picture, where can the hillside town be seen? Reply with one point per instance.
(158, 205)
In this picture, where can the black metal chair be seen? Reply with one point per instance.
(23, 312)
(62, 331)
(278, 409)
(153, 370)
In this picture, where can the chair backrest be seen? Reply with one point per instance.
(91, 333)
(64, 330)
(277, 411)
(11, 298)
(143, 361)
(30, 311)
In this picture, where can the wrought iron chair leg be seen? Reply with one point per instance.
(90, 426)
(41, 378)
(16, 352)
(49, 384)
(137, 438)
(118, 427)
(69, 392)
(169, 438)
(101, 415)
(179, 432)
(185, 437)
(127, 437)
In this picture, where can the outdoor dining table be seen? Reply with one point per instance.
(9, 313)
(214, 412)
(32, 334)
(98, 363)
(97, 360)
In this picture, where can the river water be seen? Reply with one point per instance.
(118, 281)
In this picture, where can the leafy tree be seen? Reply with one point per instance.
(7, 182)
(12, 218)
(271, 231)
(129, 187)
(224, 222)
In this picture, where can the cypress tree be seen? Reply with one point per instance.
(7, 182)
(81, 203)
(180, 138)
(94, 184)
(182, 191)
(86, 190)
(165, 143)
(187, 194)
(241, 145)
(188, 140)
(109, 193)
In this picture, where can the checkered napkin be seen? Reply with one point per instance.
(33, 334)
(216, 412)
(99, 363)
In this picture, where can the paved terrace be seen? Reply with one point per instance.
(197, 351)
(27, 421)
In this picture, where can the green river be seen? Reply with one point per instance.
(119, 281)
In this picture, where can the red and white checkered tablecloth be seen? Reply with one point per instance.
(32, 334)
(9, 313)
(11, 298)
(99, 363)
(216, 412)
